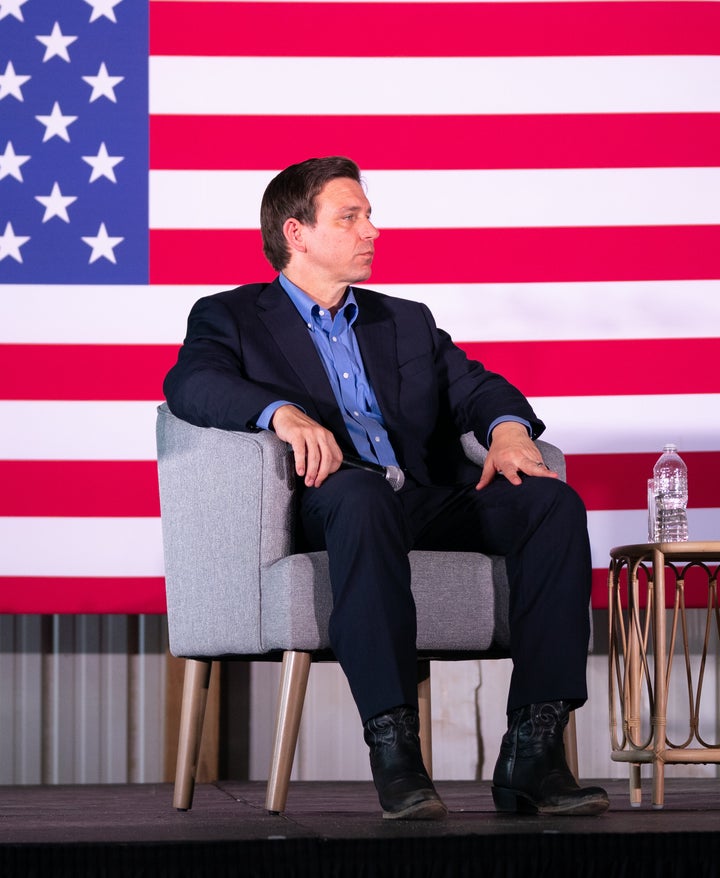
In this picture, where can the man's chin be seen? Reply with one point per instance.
(363, 274)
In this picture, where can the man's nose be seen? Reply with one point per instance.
(370, 231)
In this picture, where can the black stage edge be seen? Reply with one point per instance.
(333, 830)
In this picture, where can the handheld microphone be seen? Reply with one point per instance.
(393, 475)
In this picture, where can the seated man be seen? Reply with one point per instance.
(338, 370)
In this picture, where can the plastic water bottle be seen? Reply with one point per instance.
(670, 490)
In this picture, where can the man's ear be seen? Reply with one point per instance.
(293, 231)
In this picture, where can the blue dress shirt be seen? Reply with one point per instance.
(337, 346)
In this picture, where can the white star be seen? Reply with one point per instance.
(10, 244)
(103, 7)
(56, 203)
(56, 44)
(56, 125)
(10, 83)
(10, 163)
(102, 245)
(12, 7)
(102, 164)
(103, 85)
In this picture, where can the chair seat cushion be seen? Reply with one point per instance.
(461, 600)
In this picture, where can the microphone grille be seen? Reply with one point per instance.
(395, 476)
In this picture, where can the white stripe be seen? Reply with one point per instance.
(89, 314)
(469, 312)
(81, 547)
(579, 425)
(628, 424)
(617, 84)
(532, 198)
(207, 199)
(461, 199)
(623, 527)
(77, 430)
(133, 546)
(570, 311)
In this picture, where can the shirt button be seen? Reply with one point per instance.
(377, 438)
(321, 313)
(346, 374)
(334, 338)
(357, 414)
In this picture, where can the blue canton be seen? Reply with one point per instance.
(74, 142)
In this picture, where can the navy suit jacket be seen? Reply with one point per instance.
(248, 347)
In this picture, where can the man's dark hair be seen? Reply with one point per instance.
(292, 194)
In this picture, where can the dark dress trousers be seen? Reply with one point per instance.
(247, 348)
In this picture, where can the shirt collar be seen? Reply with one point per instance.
(308, 309)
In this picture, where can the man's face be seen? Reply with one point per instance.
(340, 246)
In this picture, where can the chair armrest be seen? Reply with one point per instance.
(227, 510)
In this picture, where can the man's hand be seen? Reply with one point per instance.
(512, 452)
(317, 454)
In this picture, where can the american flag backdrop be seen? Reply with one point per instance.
(545, 175)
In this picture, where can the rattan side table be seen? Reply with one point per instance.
(644, 638)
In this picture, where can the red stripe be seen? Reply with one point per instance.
(434, 29)
(603, 368)
(549, 368)
(663, 140)
(219, 256)
(695, 588)
(222, 256)
(85, 372)
(65, 594)
(627, 486)
(87, 488)
(60, 488)
(600, 588)
(46, 595)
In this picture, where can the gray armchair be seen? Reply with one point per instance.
(236, 588)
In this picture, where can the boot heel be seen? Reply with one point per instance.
(505, 800)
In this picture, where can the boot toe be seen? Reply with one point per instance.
(424, 804)
(586, 801)
(580, 802)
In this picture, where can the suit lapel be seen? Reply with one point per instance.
(376, 337)
(285, 325)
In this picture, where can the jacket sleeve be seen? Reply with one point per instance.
(208, 385)
(477, 396)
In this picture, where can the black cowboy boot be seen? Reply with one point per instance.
(532, 775)
(405, 790)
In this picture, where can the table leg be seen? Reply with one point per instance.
(659, 718)
(635, 785)
(634, 685)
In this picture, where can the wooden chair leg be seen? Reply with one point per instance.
(425, 711)
(192, 714)
(293, 684)
(571, 748)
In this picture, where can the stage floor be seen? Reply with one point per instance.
(336, 829)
